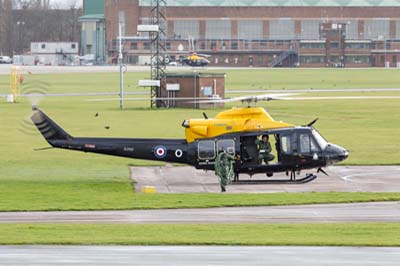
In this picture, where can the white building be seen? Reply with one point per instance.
(50, 53)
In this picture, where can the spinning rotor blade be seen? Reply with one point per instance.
(248, 99)
(338, 98)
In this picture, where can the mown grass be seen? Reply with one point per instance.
(239, 79)
(84, 195)
(340, 234)
(59, 179)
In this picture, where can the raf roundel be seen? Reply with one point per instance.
(160, 152)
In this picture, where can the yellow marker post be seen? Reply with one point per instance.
(149, 190)
(15, 83)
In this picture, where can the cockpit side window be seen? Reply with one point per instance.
(307, 143)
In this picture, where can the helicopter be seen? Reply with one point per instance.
(210, 143)
(196, 60)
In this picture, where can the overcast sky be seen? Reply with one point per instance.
(67, 3)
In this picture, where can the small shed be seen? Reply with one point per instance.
(192, 88)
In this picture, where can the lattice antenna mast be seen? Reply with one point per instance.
(158, 48)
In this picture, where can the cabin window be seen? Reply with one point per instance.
(289, 143)
(307, 144)
(206, 150)
(285, 142)
(227, 145)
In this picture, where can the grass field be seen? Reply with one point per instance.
(252, 79)
(349, 234)
(57, 179)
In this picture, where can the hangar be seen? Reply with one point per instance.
(258, 33)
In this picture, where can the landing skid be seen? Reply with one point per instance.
(306, 179)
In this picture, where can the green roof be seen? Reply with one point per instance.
(93, 17)
(238, 3)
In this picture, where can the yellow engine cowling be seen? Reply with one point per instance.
(234, 120)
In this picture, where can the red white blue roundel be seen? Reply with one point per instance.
(160, 151)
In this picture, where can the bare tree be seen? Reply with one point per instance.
(26, 21)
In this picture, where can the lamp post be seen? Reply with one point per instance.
(20, 24)
(121, 69)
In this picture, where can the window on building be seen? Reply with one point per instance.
(43, 46)
(234, 45)
(247, 44)
(218, 29)
(312, 59)
(134, 46)
(147, 46)
(73, 46)
(312, 45)
(186, 29)
(377, 29)
(352, 29)
(213, 45)
(133, 59)
(89, 49)
(310, 29)
(358, 45)
(281, 29)
(250, 29)
(223, 46)
(334, 45)
(168, 46)
(334, 59)
(394, 59)
(357, 59)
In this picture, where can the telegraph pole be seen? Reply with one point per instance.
(121, 68)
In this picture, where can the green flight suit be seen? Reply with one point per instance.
(264, 151)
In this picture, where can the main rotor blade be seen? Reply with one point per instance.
(317, 98)
(312, 122)
(248, 99)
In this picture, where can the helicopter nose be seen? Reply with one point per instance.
(343, 154)
(336, 153)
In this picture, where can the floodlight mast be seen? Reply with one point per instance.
(121, 70)
(158, 48)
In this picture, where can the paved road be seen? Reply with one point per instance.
(341, 178)
(355, 212)
(197, 255)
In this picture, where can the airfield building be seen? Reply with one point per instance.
(258, 33)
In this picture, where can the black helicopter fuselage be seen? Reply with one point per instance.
(295, 148)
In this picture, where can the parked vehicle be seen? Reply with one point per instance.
(5, 60)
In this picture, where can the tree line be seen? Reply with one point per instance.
(26, 21)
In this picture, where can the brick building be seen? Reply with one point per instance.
(320, 33)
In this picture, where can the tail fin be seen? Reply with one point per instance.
(47, 127)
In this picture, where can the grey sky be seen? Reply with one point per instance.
(66, 3)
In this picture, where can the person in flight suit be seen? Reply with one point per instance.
(264, 150)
